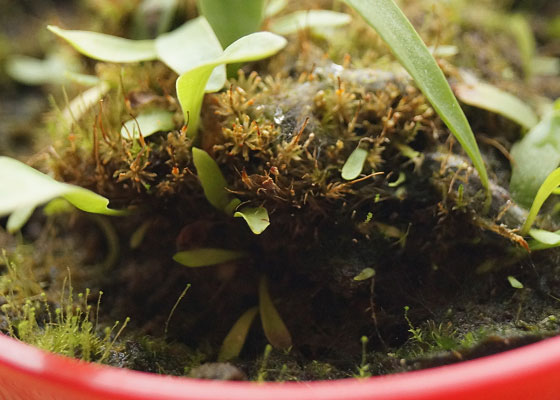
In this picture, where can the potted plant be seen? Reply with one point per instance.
(328, 196)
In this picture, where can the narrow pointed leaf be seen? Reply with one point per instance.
(106, 47)
(256, 217)
(191, 85)
(24, 187)
(354, 164)
(407, 46)
(292, 23)
(488, 97)
(213, 182)
(274, 328)
(235, 339)
(192, 44)
(206, 257)
(148, 123)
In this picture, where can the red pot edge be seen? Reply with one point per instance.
(532, 371)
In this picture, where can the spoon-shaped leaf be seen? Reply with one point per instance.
(207, 256)
(292, 23)
(213, 182)
(22, 187)
(488, 97)
(235, 339)
(535, 156)
(256, 217)
(106, 47)
(148, 124)
(274, 328)
(191, 84)
(192, 44)
(543, 239)
(395, 29)
(354, 164)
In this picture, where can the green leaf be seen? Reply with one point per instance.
(18, 219)
(207, 256)
(213, 182)
(192, 44)
(106, 47)
(191, 84)
(354, 164)
(83, 102)
(488, 97)
(535, 157)
(292, 23)
(148, 123)
(232, 19)
(551, 182)
(235, 339)
(365, 274)
(274, 328)
(514, 283)
(33, 71)
(256, 217)
(521, 30)
(394, 28)
(22, 187)
(273, 7)
(543, 239)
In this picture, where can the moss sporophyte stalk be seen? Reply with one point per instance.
(274, 192)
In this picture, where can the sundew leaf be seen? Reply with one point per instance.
(535, 157)
(407, 46)
(211, 178)
(235, 339)
(292, 23)
(148, 123)
(192, 44)
(274, 328)
(365, 274)
(232, 19)
(488, 97)
(256, 217)
(108, 48)
(22, 187)
(354, 164)
(207, 256)
(191, 84)
(551, 182)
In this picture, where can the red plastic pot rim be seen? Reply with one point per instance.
(529, 372)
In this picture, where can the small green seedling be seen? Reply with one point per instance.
(235, 339)
(354, 164)
(214, 185)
